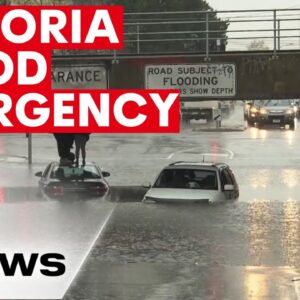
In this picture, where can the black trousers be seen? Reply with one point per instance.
(64, 144)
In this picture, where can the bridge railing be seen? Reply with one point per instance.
(211, 32)
(263, 30)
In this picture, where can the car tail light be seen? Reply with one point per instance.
(58, 190)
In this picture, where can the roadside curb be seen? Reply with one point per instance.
(13, 159)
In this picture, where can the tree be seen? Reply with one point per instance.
(181, 37)
(164, 33)
(257, 45)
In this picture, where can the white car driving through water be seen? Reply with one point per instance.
(193, 182)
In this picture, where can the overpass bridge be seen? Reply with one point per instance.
(249, 54)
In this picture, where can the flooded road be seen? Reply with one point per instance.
(244, 249)
(239, 250)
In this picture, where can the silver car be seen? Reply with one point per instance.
(277, 112)
(193, 182)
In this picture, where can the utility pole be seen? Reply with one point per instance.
(29, 137)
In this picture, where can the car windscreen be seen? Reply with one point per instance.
(274, 103)
(258, 102)
(74, 173)
(187, 179)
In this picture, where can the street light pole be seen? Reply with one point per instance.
(29, 137)
(278, 35)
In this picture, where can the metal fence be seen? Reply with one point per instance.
(211, 32)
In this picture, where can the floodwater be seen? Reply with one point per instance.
(243, 249)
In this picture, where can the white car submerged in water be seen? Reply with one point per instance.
(193, 182)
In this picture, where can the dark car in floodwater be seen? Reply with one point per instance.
(69, 180)
(251, 111)
(277, 112)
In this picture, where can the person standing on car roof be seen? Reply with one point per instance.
(80, 143)
(64, 144)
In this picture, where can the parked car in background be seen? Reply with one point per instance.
(63, 180)
(296, 104)
(193, 182)
(199, 110)
(251, 110)
(277, 112)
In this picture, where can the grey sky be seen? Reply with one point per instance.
(288, 39)
(252, 4)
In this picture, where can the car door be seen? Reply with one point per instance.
(43, 180)
(226, 179)
(236, 187)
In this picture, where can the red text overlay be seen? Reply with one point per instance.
(141, 111)
(28, 34)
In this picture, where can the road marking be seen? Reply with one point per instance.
(171, 155)
(215, 154)
(181, 151)
(229, 154)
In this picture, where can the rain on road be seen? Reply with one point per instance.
(244, 249)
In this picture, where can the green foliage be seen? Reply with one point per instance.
(176, 35)
(135, 6)
(181, 37)
(257, 45)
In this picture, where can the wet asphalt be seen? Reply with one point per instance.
(244, 249)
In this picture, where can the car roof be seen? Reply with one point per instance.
(196, 165)
(91, 163)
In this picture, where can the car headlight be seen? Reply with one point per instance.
(253, 109)
(295, 109)
(263, 111)
(289, 111)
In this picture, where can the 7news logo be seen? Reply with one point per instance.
(51, 264)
